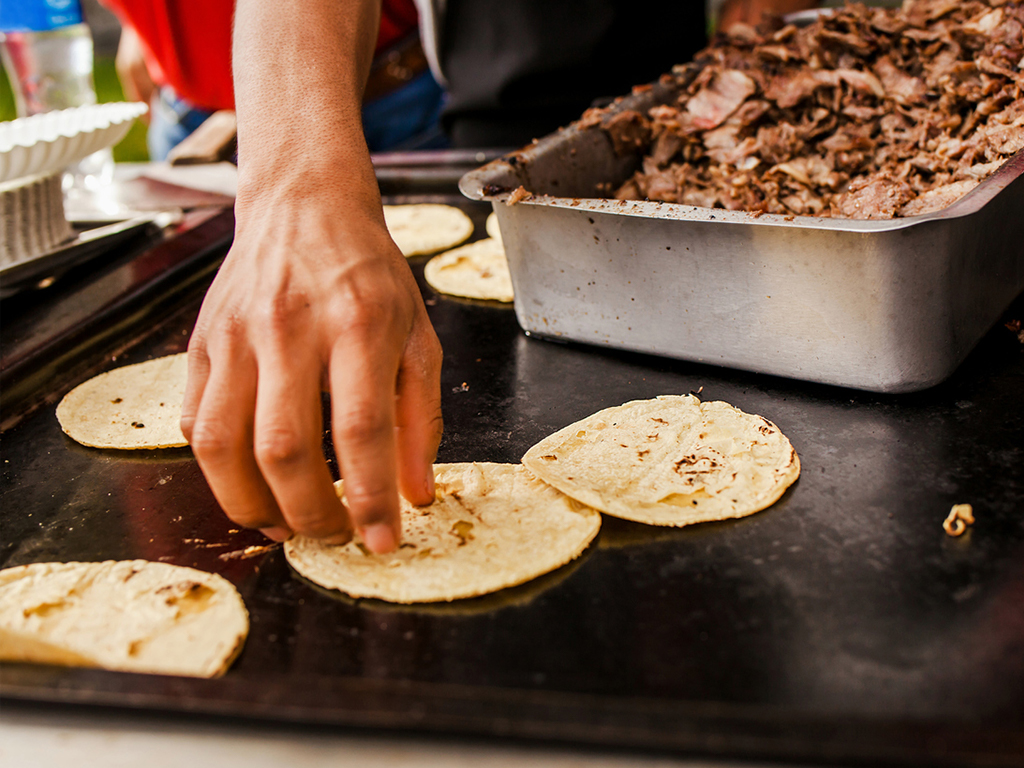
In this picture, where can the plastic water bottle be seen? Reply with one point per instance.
(47, 52)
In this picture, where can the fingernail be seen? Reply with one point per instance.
(277, 534)
(379, 538)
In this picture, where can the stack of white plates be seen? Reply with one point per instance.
(34, 151)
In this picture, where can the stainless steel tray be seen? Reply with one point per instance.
(887, 306)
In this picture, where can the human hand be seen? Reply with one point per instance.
(306, 299)
(130, 63)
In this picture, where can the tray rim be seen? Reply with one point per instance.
(479, 184)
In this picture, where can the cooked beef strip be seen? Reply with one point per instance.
(866, 113)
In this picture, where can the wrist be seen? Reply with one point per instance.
(332, 184)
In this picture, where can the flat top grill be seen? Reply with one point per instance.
(841, 624)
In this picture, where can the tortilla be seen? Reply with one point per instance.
(129, 615)
(476, 271)
(491, 225)
(669, 461)
(137, 406)
(427, 227)
(491, 526)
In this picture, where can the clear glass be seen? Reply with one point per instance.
(53, 70)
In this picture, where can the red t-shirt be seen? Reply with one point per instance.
(188, 42)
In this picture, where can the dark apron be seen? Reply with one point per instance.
(519, 69)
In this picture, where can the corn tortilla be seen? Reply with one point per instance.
(672, 461)
(491, 526)
(129, 615)
(475, 271)
(426, 227)
(133, 407)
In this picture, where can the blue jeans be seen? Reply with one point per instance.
(171, 121)
(406, 119)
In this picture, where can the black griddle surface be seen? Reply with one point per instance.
(841, 624)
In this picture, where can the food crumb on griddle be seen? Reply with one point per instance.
(959, 517)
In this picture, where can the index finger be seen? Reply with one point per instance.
(363, 384)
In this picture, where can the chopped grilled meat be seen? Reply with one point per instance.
(629, 131)
(938, 198)
(720, 98)
(865, 113)
(873, 197)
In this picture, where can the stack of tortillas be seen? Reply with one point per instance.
(135, 616)
(132, 407)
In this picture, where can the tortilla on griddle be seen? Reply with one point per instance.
(475, 271)
(133, 407)
(672, 460)
(491, 526)
(426, 227)
(129, 615)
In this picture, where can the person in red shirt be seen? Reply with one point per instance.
(175, 55)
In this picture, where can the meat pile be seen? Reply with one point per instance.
(866, 113)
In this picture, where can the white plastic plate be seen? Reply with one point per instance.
(50, 142)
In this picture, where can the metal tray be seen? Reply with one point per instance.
(886, 306)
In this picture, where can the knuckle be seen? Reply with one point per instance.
(252, 517)
(279, 446)
(321, 526)
(432, 354)
(437, 424)
(370, 503)
(211, 441)
(187, 426)
(361, 427)
(362, 316)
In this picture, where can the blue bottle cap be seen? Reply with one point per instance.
(38, 15)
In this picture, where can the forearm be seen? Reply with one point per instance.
(313, 293)
(299, 68)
